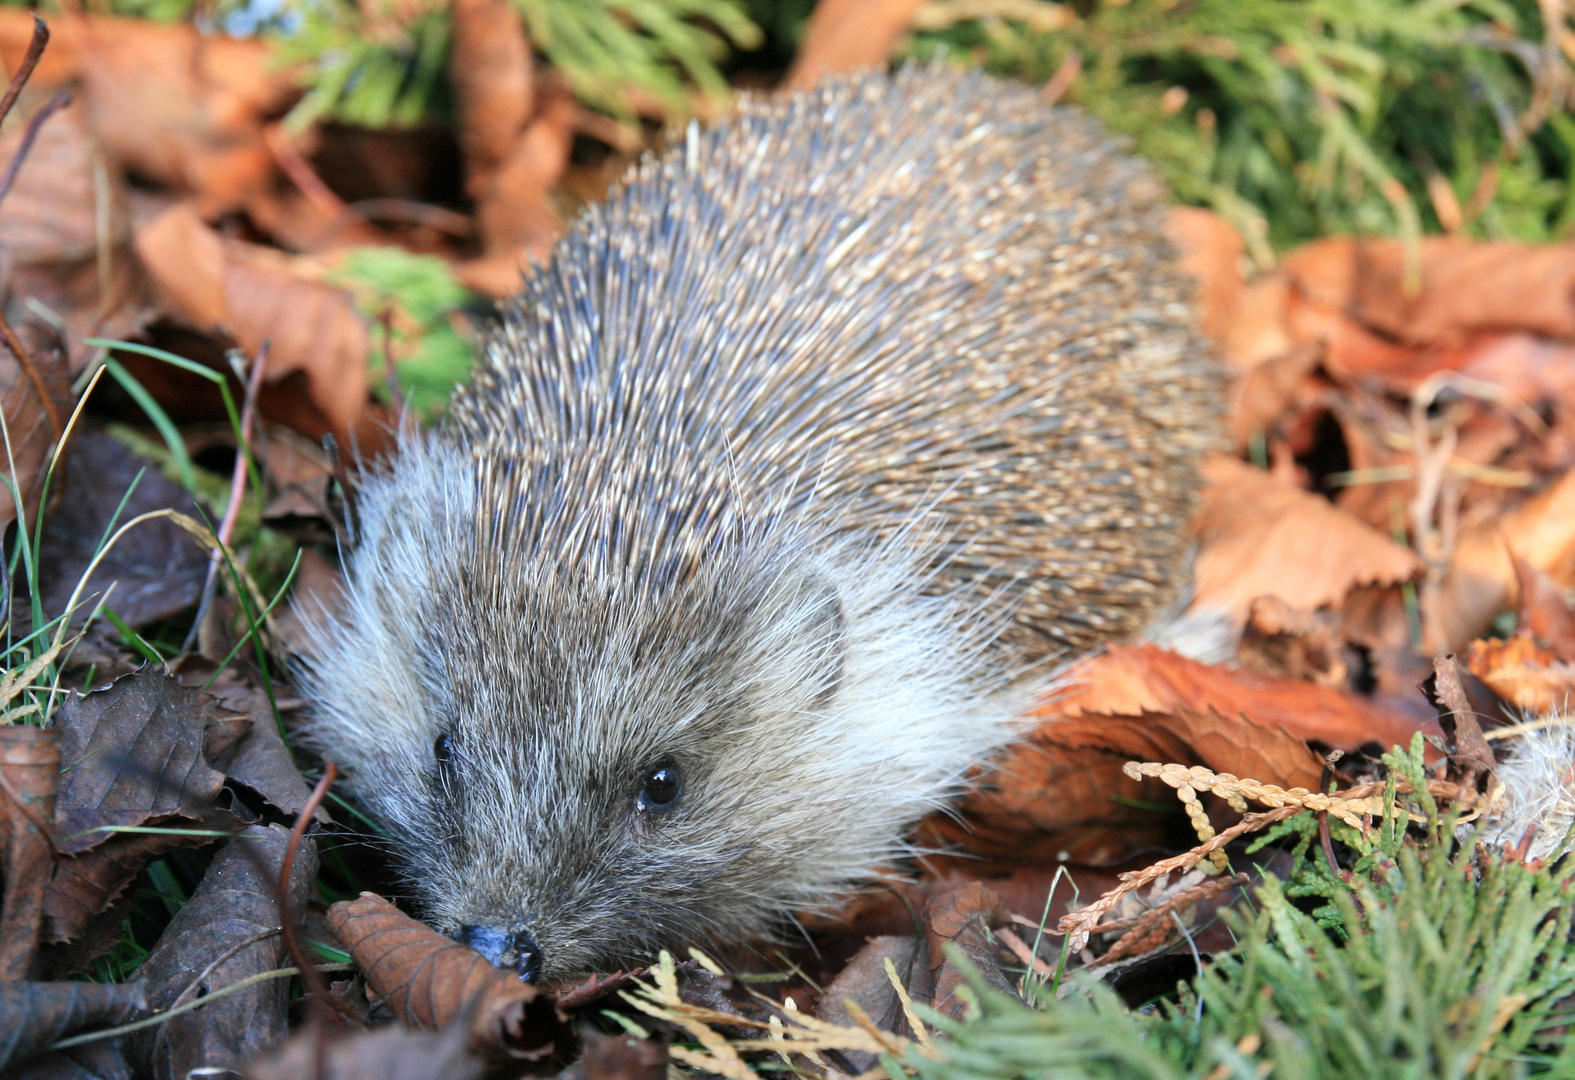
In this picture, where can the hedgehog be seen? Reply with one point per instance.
(832, 431)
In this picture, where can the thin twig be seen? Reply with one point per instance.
(301, 173)
(29, 135)
(315, 986)
(232, 512)
(35, 49)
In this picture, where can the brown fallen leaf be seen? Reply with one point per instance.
(155, 571)
(956, 930)
(515, 138)
(1060, 795)
(1466, 287)
(33, 1016)
(1139, 680)
(313, 329)
(98, 1060)
(1546, 613)
(181, 107)
(29, 769)
(1533, 679)
(228, 931)
(1211, 253)
(1290, 643)
(259, 759)
(1260, 537)
(846, 35)
(386, 1053)
(48, 214)
(864, 982)
(431, 981)
(31, 425)
(135, 753)
(1481, 580)
(613, 1057)
(298, 473)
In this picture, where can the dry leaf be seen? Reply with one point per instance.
(181, 107)
(1466, 287)
(847, 35)
(259, 759)
(1531, 678)
(1481, 581)
(33, 1016)
(961, 918)
(1211, 253)
(430, 981)
(386, 1053)
(312, 329)
(226, 932)
(1135, 681)
(156, 570)
(863, 981)
(494, 85)
(29, 768)
(134, 753)
(1260, 537)
(48, 214)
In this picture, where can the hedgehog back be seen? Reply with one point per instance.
(922, 300)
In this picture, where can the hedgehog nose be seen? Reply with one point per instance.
(504, 948)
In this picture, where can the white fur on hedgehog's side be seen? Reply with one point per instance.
(1534, 790)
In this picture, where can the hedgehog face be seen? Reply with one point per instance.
(581, 768)
(610, 778)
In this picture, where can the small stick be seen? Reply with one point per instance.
(35, 49)
(301, 173)
(232, 512)
(309, 973)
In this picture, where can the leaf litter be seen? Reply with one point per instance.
(1399, 486)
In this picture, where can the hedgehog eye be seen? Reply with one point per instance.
(663, 785)
(443, 751)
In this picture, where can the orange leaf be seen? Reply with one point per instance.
(1261, 537)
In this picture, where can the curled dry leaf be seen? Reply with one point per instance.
(1466, 288)
(228, 931)
(29, 433)
(29, 768)
(432, 982)
(1546, 613)
(1141, 679)
(1261, 537)
(313, 330)
(609, 1057)
(1061, 793)
(135, 753)
(34, 1015)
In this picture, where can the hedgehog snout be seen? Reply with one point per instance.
(511, 948)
